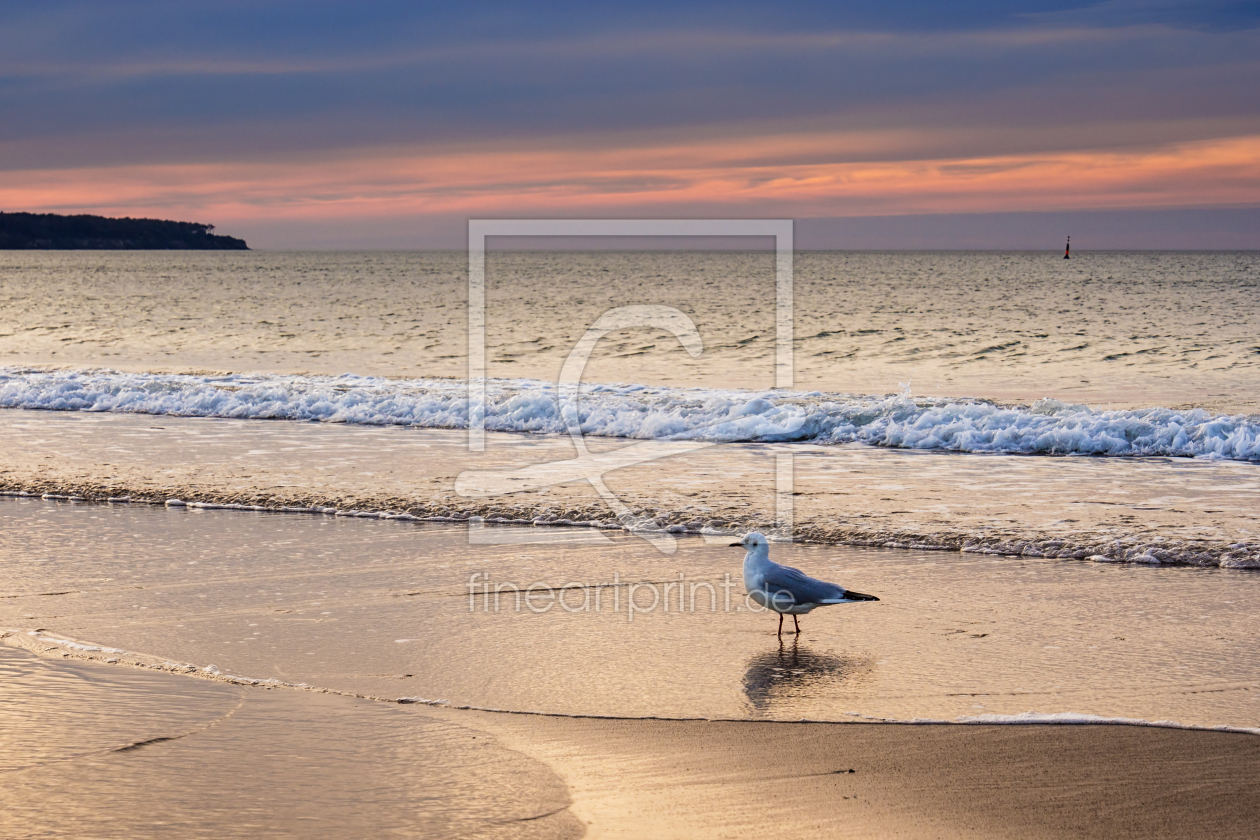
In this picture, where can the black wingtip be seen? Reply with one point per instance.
(850, 595)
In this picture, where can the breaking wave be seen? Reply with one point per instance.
(1047, 427)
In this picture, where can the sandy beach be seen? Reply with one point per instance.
(305, 672)
(100, 751)
(731, 779)
(292, 763)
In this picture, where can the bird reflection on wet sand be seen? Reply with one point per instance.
(795, 671)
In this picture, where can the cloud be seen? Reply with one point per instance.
(704, 178)
(1210, 15)
(271, 111)
(178, 97)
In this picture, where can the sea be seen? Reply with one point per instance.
(262, 463)
(1129, 354)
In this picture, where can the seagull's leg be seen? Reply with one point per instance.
(780, 624)
(797, 623)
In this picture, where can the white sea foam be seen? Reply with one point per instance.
(636, 411)
(1078, 718)
(1059, 718)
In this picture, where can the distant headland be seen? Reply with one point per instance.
(49, 231)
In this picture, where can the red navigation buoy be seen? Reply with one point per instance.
(1067, 252)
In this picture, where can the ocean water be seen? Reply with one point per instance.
(1018, 444)
(1109, 330)
(1153, 510)
(1106, 354)
(1144, 356)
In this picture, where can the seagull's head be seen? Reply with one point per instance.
(753, 542)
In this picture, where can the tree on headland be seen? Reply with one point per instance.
(50, 231)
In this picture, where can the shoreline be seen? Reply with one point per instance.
(39, 643)
(1025, 543)
(715, 778)
(1157, 511)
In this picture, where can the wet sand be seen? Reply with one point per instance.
(366, 612)
(206, 759)
(129, 732)
(742, 779)
(99, 751)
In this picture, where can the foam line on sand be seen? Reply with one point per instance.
(44, 643)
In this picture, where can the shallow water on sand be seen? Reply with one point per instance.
(1186, 510)
(91, 750)
(385, 608)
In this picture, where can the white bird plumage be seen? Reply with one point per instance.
(786, 590)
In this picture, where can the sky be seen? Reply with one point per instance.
(1128, 123)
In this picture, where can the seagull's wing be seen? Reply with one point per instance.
(803, 588)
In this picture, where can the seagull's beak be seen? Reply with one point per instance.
(736, 545)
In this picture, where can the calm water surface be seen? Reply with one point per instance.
(1107, 329)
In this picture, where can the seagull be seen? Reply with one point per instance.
(784, 589)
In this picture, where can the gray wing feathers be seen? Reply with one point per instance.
(803, 588)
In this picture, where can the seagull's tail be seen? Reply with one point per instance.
(850, 595)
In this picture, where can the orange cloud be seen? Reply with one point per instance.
(827, 176)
